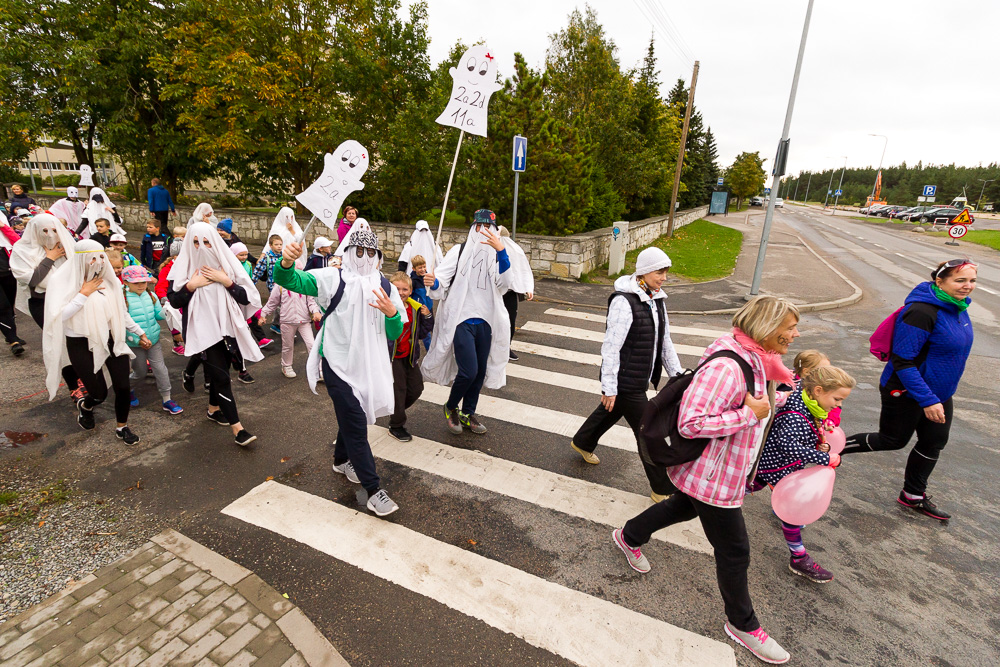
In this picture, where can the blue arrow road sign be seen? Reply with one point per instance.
(930, 190)
(767, 191)
(520, 153)
(838, 193)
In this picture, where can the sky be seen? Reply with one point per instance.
(922, 73)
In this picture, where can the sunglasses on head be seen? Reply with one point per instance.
(954, 264)
(360, 252)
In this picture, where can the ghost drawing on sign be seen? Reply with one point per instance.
(473, 82)
(86, 176)
(342, 172)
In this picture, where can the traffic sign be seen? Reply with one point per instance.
(520, 153)
(962, 218)
(930, 190)
(767, 191)
(839, 192)
(829, 192)
(721, 180)
(957, 231)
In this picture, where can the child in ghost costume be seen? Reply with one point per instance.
(363, 312)
(285, 226)
(216, 297)
(421, 243)
(69, 208)
(8, 287)
(472, 336)
(85, 325)
(522, 284)
(99, 206)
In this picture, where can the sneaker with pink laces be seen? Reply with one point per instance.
(810, 569)
(760, 644)
(178, 349)
(635, 558)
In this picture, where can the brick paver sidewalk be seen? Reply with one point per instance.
(170, 602)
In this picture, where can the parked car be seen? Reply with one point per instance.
(901, 212)
(779, 202)
(890, 211)
(936, 214)
(913, 214)
(756, 201)
(874, 209)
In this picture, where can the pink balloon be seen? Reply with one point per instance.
(837, 440)
(803, 496)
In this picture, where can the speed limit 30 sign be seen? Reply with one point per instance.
(957, 231)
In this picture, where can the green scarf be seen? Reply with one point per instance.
(813, 405)
(961, 304)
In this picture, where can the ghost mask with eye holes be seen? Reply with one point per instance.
(362, 255)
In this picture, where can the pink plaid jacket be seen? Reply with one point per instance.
(712, 407)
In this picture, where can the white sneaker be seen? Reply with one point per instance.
(382, 504)
(287, 371)
(347, 469)
(760, 644)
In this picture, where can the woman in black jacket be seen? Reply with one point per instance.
(19, 199)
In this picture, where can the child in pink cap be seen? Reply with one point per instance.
(145, 309)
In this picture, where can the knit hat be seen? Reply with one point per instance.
(321, 242)
(225, 225)
(118, 238)
(136, 274)
(651, 259)
(484, 216)
(237, 248)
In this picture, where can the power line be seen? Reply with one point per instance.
(664, 20)
(660, 30)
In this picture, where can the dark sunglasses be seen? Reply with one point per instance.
(953, 264)
(360, 252)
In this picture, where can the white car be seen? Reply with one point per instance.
(779, 202)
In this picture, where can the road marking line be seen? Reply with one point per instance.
(569, 495)
(533, 416)
(986, 289)
(591, 317)
(555, 353)
(596, 336)
(576, 626)
(574, 382)
(879, 245)
(914, 259)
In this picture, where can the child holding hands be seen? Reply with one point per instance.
(147, 312)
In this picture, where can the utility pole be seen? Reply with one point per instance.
(808, 183)
(980, 202)
(829, 187)
(795, 195)
(779, 163)
(680, 150)
(840, 187)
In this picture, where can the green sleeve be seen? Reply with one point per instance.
(393, 326)
(294, 280)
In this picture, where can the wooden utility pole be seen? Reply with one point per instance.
(680, 150)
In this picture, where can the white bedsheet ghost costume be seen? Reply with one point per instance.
(69, 210)
(212, 313)
(199, 214)
(522, 280)
(422, 243)
(103, 316)
(353, 338)
(280, 226)
(477, 292)
(97, 210)
(42, 233)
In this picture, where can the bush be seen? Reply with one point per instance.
(226, 201)
(66, 180)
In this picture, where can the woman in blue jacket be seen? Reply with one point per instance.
(930, 345)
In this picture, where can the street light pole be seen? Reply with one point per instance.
(782, 154)
(980, 202)
(875, 184)
(840, 187)
(808, 183)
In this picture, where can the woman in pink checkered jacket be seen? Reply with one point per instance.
(717, 406)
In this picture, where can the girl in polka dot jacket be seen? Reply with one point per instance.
(797, 438)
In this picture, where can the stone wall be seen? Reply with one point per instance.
(550, 256)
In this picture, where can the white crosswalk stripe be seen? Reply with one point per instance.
(591, 317)
(574, 382)
(597, 336)
(579, 627)
(555, 352)
(587, 500)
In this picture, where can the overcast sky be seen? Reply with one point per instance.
(923, 73)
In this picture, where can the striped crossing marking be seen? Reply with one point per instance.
(555, 352)
(533, 416)
(591, 317)
(578, 627)
(596, 336)
(576, 497)
(574, 382)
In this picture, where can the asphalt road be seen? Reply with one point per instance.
(908, 590)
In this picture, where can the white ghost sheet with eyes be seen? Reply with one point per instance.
(342, 172)
(473, 82)
(86, 176)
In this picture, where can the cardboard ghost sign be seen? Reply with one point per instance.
(342, 172)
(473, 82)
(86, 176)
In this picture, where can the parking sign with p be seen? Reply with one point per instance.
(930, 190)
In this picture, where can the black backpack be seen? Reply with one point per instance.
(660, 441)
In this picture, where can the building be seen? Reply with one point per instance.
(56, 158)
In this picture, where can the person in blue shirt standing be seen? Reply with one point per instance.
(160, 202)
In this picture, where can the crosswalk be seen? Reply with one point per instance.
(542, 613)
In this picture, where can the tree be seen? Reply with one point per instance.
(746, 176)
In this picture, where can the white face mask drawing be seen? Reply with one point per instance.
(353, 161)
(474, 80)
(204, 253)
(48, 237)
(342, 173)
(95, 266)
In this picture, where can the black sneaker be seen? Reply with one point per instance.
(188, 382)
(125, 434)
(924, 506)
(243, 438)
(218, 418)
(21, 341)
(400, 433)
(246, 378)
(86, 417)
(17, 349)
(512, 356)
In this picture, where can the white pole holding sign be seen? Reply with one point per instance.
(342, 172)
(474, 80)
(519, 162)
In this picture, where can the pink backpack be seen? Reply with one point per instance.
(880, 342)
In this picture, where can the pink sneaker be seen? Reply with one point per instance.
(264, 342)
(178, 349)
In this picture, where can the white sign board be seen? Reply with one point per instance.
(473, 82)
(86, 176)
(957, 231)
(342, 172)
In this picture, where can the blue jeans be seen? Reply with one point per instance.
(472, 349)
(352, 436)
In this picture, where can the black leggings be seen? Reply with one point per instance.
(118, 367)
(36, 307)
(510, 299)
(217, 361)
(8, 295)
(902, 417)
(238, 363)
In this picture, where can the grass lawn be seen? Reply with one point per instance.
(452, 219)
(986, 237)
(699, 251)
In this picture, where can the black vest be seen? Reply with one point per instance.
(640, 359)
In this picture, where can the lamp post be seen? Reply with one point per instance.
(840, 187)
(829, 187)
(808, 183)
(884, 145)
(980, 202)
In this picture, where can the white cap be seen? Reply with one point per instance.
(322, 242)
(118, 238)
(651, 259)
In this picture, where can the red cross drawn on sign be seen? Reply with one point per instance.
(489, 57)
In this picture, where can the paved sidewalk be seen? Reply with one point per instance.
(170, 602)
